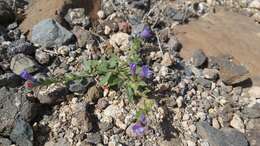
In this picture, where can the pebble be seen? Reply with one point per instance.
(238, 123)
(42, 57)
(22, 62)
(198, 58)
(179, 101)
(119, 41)
(167, 59)
(211, 74)
(101, 14)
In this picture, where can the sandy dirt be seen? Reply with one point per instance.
(224, 33)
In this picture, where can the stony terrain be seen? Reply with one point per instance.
(112, 73)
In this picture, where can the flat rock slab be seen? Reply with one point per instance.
(224, 33)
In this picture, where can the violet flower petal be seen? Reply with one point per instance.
(27, 76)
(145, 72)
(138, 129)
(133, 69)
(143, 119)
(146, 33)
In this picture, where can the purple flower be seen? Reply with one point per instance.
(146, 33)
(133, 69)
(143, 119)
(27, 76)
(138, 129)
(145, 72)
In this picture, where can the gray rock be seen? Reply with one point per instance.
(6, 14)
(22, 62)
(93, 94)
(52, 94)
(180, 16)
(20, 46)
(80, 86)
(49, 33)
(140, 4)
(14, 104)
(5, 142)
(22, 134)
(93, 138)
(75, 16)
(203, 82)
(42, 57)
(231, 73)
(198, 58)
(10, 80)
(253, 132)
(223, 137)
(211, 74)
(105, 126)
(252, 111)
(83, 36)
(174, 44)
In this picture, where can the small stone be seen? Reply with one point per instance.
(93, 138)
(120, 41)
(75, 16)
(56, 36)
(93, 94)
(179, 101)
(102, 103)
(80, 86)
(101, 14)
(167, 59)
(190, 143)
(215, 123)
(255, 4)
(256, 16)
(42, 57)
(198, 58)
(254, 92)
(63, 50)
(52, 94)
(174, 44)
(107, 30)
(84, 37)
(211, 74)
(237, 123)
(205, 83)
(113, 111)
(22, 62)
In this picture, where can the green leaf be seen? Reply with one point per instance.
(102, 68)
(130, 94)
(114, 80)
(113, 61)
(104, 79)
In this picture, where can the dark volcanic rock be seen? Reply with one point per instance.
(223, 137)
(10, 80)
(199, 58)
(22, 134)
(13, 104)
(6, 14)
(21, 46)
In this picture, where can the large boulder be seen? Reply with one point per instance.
(49, 33)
